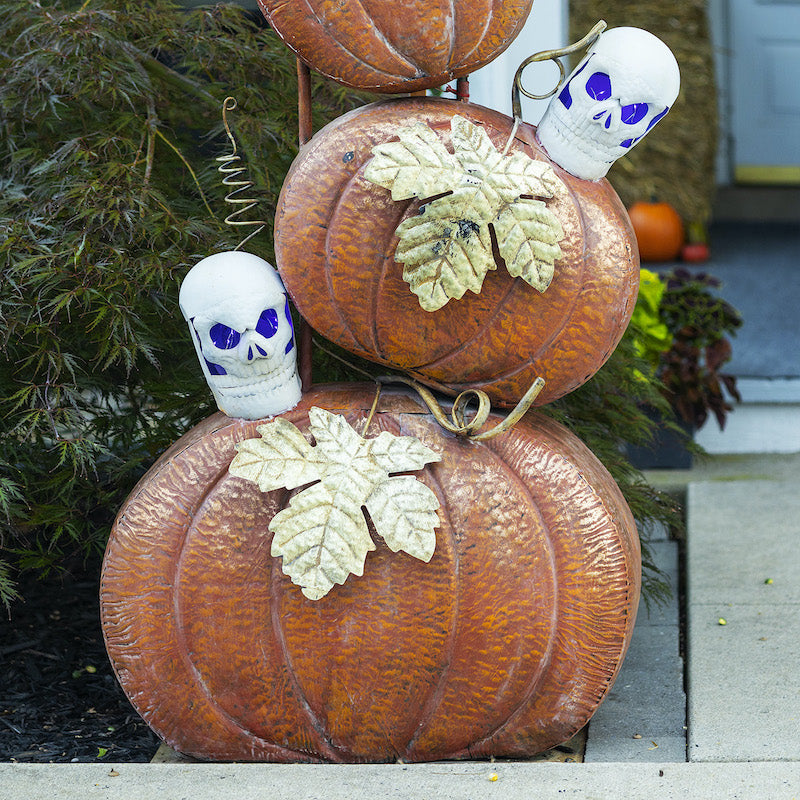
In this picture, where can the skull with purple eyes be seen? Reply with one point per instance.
(238, 315)
(624, 85)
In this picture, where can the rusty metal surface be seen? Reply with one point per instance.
(504, 644)
(335, 242)
(396, 45)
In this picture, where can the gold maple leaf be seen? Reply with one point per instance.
(488, 209)
(322, 534)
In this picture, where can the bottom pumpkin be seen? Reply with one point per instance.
(504, 644)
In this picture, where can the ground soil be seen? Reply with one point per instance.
(59, 699)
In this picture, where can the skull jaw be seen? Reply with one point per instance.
(271, 395)
(572, 151)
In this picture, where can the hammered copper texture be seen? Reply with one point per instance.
(335, 242)
(396, 46)
(503, 644)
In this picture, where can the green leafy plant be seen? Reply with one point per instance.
(679, 327)
(110, 113)
(699, 322)
(653, 337)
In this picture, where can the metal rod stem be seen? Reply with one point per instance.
(305, 132)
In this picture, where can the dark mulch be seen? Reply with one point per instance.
(59, 699)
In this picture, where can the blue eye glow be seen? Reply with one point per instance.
(223, 337)
(598, 87)
(635, 112)
(267, 324)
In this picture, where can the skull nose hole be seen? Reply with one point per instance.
(261, 350)
(249, 353)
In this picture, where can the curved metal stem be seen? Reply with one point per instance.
(550, 55)
(460, 425)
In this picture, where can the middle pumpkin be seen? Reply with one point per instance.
(336, 245)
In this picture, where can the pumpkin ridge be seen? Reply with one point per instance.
(463, 345)
(614, 601)
(544, 664)
(331, 229)
(453, 28)
(377, 347)
(432, 703)
(568, 312)
(358, 59)
(389, 44)
(170, 571)
(325, 748)
(463, 59)
(180, 631)
(501, 695)
(333, 304)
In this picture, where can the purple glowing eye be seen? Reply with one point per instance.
(215, 369)
(267, 324)
(598, 87)
(657, 117)
(223, 337)
(635, 112)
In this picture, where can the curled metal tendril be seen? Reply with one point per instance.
(550, 55)
(233, 172)
(459, 423)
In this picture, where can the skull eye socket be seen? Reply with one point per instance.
(598, 87)
(267, 324)
(635, 112)
(223, 337)
(656, 118)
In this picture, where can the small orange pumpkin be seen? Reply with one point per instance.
(396, 45)
(503, 644)
(658, 229)
(335, 244)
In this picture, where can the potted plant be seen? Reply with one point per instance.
(681, 329)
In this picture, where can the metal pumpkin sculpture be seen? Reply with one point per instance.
(397, 46)
(497, 576)
(503, 643)
(528, 272)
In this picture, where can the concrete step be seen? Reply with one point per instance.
(743, 558)
(643, 719)
(766, 421)
(436, 781)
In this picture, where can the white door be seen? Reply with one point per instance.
(765, 90)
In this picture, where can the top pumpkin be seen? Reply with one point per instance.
(336, 247)
(396, 46)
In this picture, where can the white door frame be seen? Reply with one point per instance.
(719, 21)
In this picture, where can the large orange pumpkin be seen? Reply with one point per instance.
(503, 644)
(396, 45)
(335, 243)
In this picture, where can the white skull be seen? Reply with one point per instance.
(626, 83)
(238, 315)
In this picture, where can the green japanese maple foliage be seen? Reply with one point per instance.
(110, 112)
(110, 127)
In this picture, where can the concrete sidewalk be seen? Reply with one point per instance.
(735, 734)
